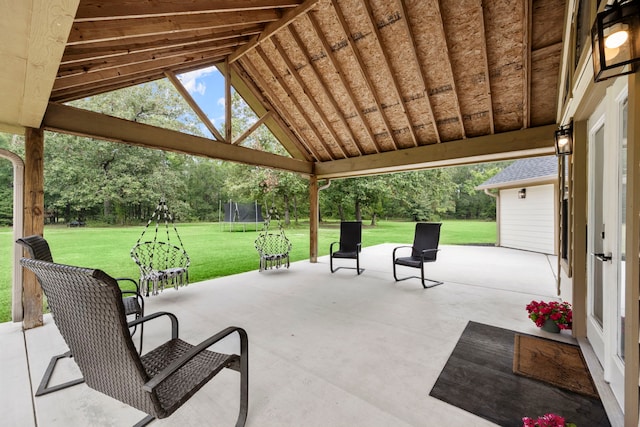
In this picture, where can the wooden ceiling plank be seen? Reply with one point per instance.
(253, 127)
(387, 60)
(296, 38)
(273, 28)
(75, 121)
(83, 32)
(341, 75)
(486, 68)
(193, 104)
(97, 86)
(314, 129)
(99, 9)
(137, 44)
(93, 65)
(292, 70)
(365, 75)
(452, 82)
(150, 67)
(530, 142)
(423, 81)
(260, 81)
(526, 53)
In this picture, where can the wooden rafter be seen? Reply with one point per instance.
(526, 61)
(97, 10)
(105, 49)
(452, 82)
(273, 28)
(316, 73)
(92, 65)
(365, 75)
(420, 73)
(259, 80)
(283, 84)
(296, 76)
(247, 88)
(343, 80)
(193, 104)
(486, 69)
(387, 60)
(253, 127)
(113, 29)
(227, 102)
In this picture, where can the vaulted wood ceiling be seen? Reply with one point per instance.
(344, 81)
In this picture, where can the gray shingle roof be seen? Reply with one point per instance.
(525, 169)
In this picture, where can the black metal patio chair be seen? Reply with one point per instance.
(349, 246)
(424, 250)
(158, 382)
(132, 300)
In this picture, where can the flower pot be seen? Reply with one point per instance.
(551, 326)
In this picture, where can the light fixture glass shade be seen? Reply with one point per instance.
(615, 40)
(564, 140)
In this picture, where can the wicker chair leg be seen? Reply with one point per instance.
(143, 422)
(44, 388)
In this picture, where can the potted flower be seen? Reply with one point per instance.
(551, 316)
(547, 420)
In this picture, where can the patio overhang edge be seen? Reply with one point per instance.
(530, 142)
(66, 119)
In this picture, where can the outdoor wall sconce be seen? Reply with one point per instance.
(522, 194)
(564, 140)
(615, 40)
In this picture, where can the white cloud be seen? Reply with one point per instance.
(221, 101)
(190, 80)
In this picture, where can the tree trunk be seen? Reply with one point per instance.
(341, 212)
(358, 211)
(374, 219)
(287, 219)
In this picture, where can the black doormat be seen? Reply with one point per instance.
(479, 378)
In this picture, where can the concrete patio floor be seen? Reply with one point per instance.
(324, 349)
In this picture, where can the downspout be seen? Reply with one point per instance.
(497, 197)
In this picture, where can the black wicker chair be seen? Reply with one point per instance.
(349, 246)
(158, 382)
(424, 250)
(38, 248)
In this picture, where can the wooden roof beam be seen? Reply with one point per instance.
(102, 10)
(423, 81)
(396, 84)
(527, 23)
(296, 37)
(486, 69)
(453, 80)
(309, 122)
(121, 29)
(340, 73)
(273, 28)
(530, 142)
(193, 104)
(107, 48)
(257, 78)
(292, 70)
(75, 121)
(252, 129)
(365, 75)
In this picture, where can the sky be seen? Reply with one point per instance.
(206, 86)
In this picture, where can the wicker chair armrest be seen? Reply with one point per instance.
(172, 317)
(427, 251)
(178, 363)
(399, 247)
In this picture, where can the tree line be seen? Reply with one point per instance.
(113, 183)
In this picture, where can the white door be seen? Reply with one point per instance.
(606, 228)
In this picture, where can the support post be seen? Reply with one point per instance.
(33, 221)
(314, 209)
(578, 239)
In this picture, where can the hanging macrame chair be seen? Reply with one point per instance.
(162, 262)
(273, 246)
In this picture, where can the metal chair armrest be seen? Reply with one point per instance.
(399, 247)
(331, 247)
(427, 251)
(172, 317)
(178, 363)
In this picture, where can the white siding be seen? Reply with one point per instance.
(528, 223)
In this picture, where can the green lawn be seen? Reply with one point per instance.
(213, 252)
